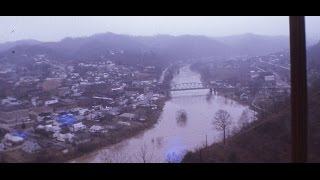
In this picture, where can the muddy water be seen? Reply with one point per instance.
(172, 137)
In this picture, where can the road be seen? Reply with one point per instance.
(163, 74)
(255, 106)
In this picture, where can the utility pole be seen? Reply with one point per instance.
(206, 140)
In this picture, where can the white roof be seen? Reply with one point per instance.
(127, 115)
(13, 138)
(96, 127)
(78, 124)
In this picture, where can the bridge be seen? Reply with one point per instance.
(188, 86)
(195, 86)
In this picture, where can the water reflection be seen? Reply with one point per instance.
(209, 98)
(182, 118)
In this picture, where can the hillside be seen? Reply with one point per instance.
(264, 141)
(253, 44)
(187, 46)
(314, 56)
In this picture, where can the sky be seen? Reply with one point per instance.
(55, 28)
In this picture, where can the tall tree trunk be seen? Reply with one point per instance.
(224, 136)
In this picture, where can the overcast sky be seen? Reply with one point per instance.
(55, 28)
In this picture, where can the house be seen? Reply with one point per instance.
(50, 102)
(30, 146)
(141, 97)
(77, 127)
(50, 128)
(269, 78)
(244, 96)
(124, 123)
(64, 137)
(128, 116)
(12, 140)
(97, 129)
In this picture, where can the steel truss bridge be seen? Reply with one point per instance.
(195, 86)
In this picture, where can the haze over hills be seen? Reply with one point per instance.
(146, 49)
(254, 44)
(8, 45)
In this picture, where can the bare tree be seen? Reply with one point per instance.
(144, 155)
(222, 121)
(114, 157)
(182, 117)
(244, 119)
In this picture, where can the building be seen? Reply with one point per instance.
(50, 102)
(244, 96)
(97, 129)
(128, 116)
(11, 140)
(124, 123)
(49, 128)
(77, 127)
(64, 137)
(269, 78)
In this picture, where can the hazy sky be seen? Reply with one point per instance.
(54, 28)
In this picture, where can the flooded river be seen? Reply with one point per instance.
(171, 137)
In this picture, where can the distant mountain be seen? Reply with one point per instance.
(106, 46)
(187, 46)
(253, 44)
(8, 45)
(122, 48)
(142, 49)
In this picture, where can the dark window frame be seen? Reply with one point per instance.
(299, 96)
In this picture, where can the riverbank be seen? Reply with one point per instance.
(95, 144)
(153, 117)
(69, 152)
(122, 135)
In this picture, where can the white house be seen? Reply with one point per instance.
(51, 102)
(128, 116)
(269, 78)
(96, 128)
(50, 128)
(124, 123)
(64, 137)
(12, 140)
(244, 96)
(77, 127)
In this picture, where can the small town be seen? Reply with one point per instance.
(74, 106)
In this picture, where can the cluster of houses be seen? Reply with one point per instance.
(75, 104)
(244, 77)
